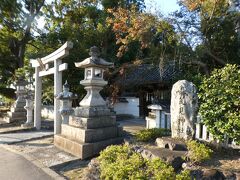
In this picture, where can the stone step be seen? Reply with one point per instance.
(17, 114)
(93, 123)
(18, 109)
(83, 150)
(89, 135)
(11, 119)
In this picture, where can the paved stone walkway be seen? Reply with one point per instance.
(9, 138)
(132, 126)
(16, 167)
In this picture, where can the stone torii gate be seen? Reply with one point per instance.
(41, 66)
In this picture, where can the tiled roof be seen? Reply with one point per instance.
(147, 74)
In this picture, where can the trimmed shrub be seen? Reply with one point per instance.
(184, 175)
(198, 152)
(121, 162)
(158, 169)
(151, 134)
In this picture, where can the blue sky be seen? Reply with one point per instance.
(164, 6)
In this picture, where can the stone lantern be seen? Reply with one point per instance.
(93, 78)
(29, 107)
(93, 125)
(66, 98)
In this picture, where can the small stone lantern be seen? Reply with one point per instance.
(29, 107)
(93, 78)
(18, 112)
(66, 98)
(21, 89)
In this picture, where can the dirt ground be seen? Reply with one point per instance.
(226, 160)
(72, 168)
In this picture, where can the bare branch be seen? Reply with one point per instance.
(33, 45)
(201, 64)
(215, 58)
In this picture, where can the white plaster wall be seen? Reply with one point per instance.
(130, 107)
(150, 123)
(47, 112)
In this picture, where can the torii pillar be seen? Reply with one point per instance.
(41, 69)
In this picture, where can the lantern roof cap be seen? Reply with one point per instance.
(94, 60)
(21, 82)
(66, 85)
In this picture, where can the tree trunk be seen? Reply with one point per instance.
(21, 53)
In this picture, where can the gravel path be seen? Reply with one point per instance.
(16, 167)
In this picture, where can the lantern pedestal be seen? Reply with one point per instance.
(89, 131)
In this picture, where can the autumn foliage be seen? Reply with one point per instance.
(131, 25)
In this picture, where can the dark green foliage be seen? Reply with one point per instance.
(220, 102)
(151, 134)
(120, 162)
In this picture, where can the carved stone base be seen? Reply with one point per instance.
(27, 125)
(89, 131)
(93, 122)
(87, 136)
(17, 113)
(83, 150)
(15, 116)
(95, 111)
(90, 135)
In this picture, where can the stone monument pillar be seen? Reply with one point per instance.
(184, 107)
(93, 126)
(66, 98)
(18, 113)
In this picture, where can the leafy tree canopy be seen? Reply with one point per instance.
(17, 22)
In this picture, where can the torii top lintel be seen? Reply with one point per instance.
(60, 53)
